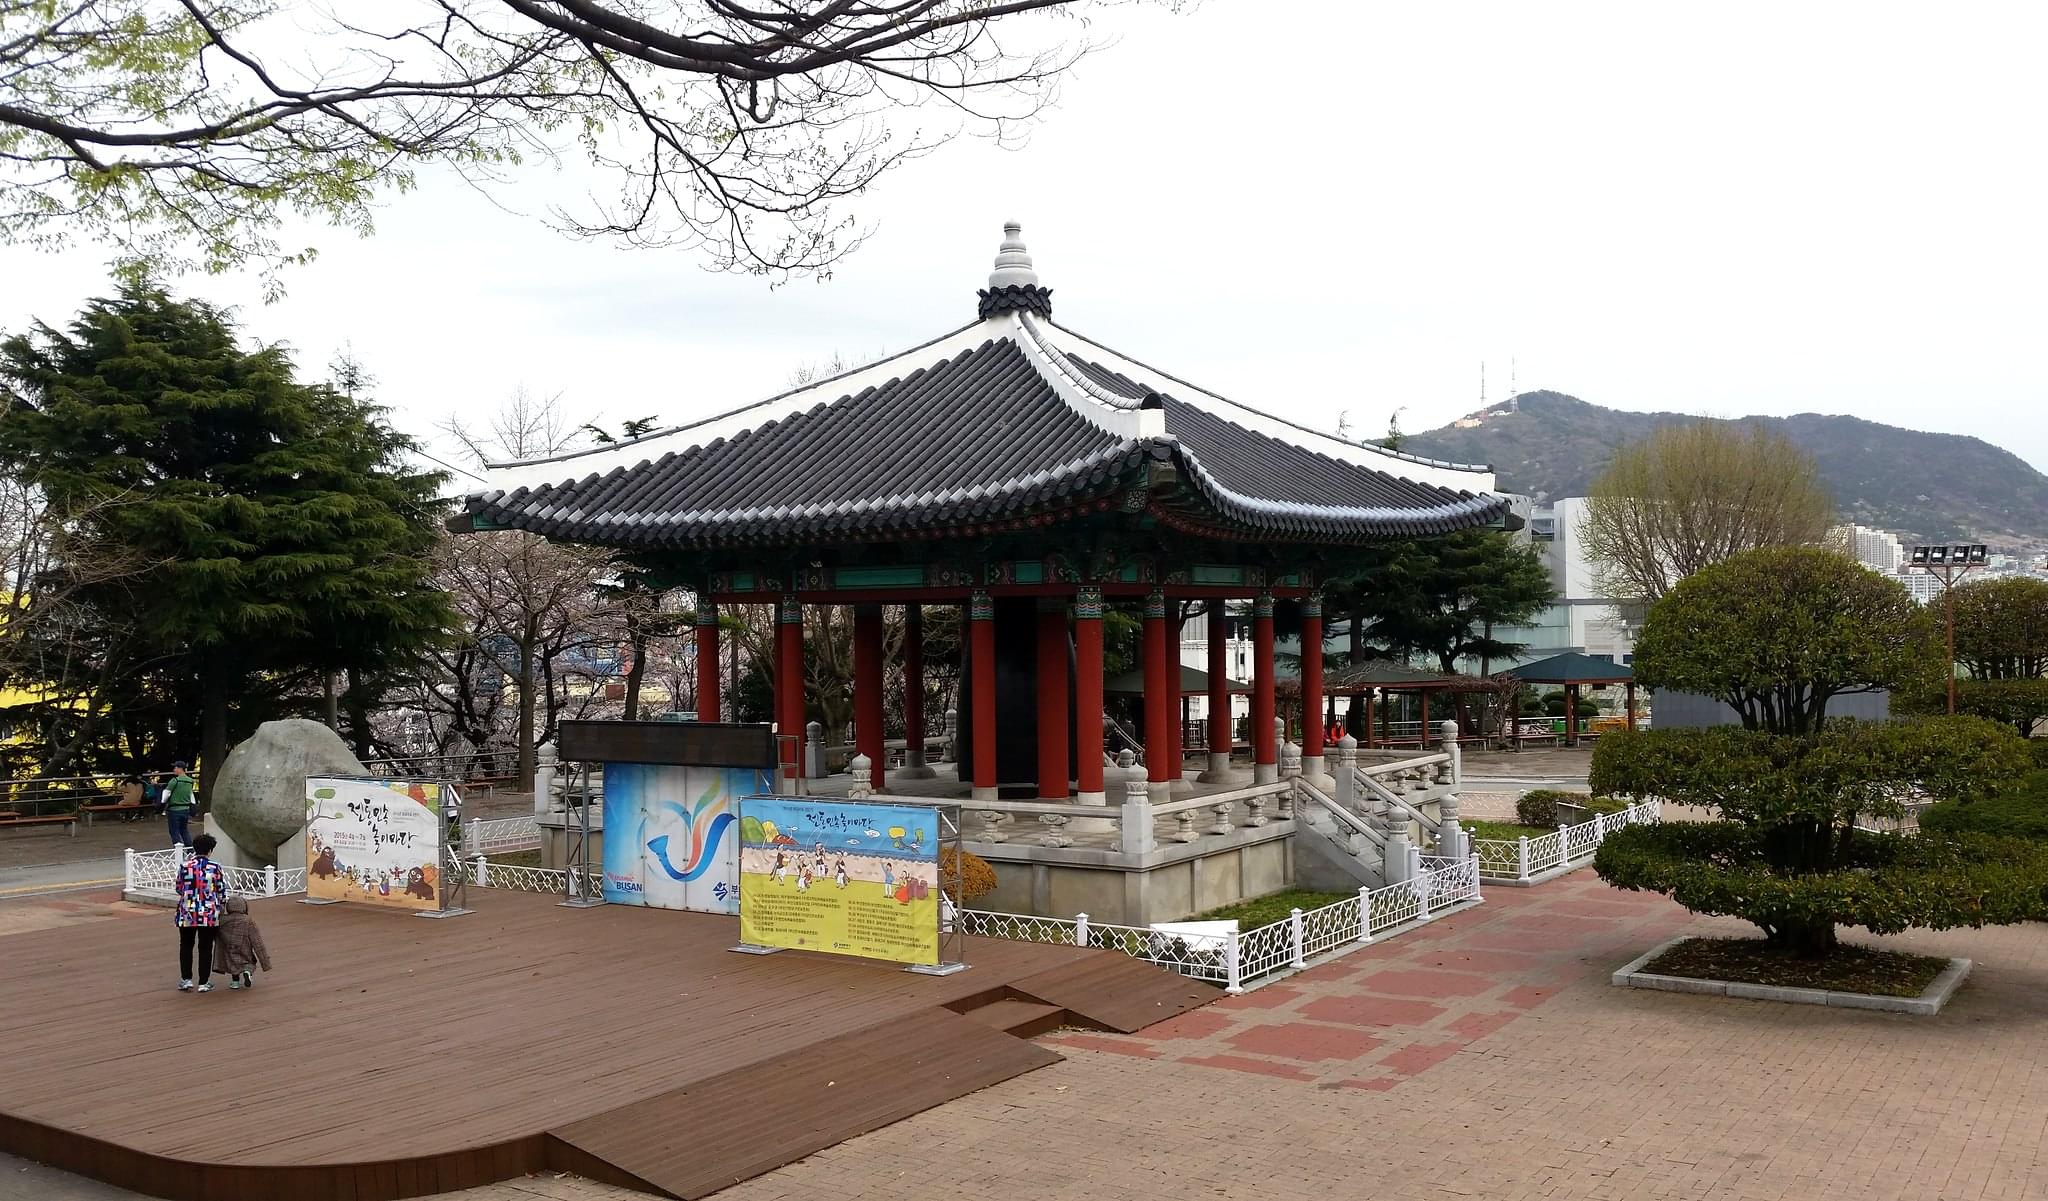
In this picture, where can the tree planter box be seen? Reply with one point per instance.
(1927, 1004)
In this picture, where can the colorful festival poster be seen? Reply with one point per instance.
(851, 879)
(374, 841)
(669, 837)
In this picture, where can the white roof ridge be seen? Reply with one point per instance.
(572, 466)
(1478, 469)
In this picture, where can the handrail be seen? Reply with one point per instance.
(1346, 818)
(1270, 788)
(1392, 766)
(1434, 826)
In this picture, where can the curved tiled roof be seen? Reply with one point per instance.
(1005, 419)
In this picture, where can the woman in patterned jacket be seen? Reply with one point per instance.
(202, 890)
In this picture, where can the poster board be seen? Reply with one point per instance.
(670, 836)
(844, 877)
(374, 841)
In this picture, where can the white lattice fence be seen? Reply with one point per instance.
(1521, 858)
(497, 835)
(1234, 960)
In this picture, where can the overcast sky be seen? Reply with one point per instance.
(1724, 209)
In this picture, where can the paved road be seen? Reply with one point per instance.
(21, 1180)
(42, 879)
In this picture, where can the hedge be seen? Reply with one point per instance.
(1538, 806)
(1885, 884)
(2022, 814)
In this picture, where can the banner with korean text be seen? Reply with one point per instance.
(377, 842)
(844, 877)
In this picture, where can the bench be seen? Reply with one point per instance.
(126, 812)
(16, 819)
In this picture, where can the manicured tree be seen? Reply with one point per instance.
(1777, 634)
(283, 529)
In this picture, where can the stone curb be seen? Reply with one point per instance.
(1927, 1004)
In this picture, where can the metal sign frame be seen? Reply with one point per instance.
(946, 818)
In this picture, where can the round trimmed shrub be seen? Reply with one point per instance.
(977, 878)
(1883, 883)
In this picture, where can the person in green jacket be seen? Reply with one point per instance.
(178, 804)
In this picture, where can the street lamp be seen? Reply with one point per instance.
(1949, 564)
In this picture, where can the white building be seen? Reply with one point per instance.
(1878, 550)
(1583, 618)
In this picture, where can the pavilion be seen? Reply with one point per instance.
(1376, 677)
(1573, 670)
(1030, 475)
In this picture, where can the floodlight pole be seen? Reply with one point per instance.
(1948, 605)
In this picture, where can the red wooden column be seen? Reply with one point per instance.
(1219, 694)
(867, 690)
(789, 684)
(914, 767)
(1265, 751)
(1369, 698)
(1312, 685)
(1088, 696)
(1159, 698)
(707, 661)
(1052, 698)
(1425, 718)
(981, 622)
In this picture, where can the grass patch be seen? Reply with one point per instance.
(2020, 814)
(1274, 907)
(1505, 831)
(1752, 961)
(516, 858)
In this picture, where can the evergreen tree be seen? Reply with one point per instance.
(283, 530)
(1445, 596)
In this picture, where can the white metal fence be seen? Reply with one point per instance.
(1501, 859)
(498, 835)
(1231, 960)
(1248, 956)
(155, 874)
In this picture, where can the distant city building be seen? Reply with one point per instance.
(1879, 550)
(1583, 619)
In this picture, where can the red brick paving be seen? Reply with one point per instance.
(1362, 1010)
(1258, 1067)
(1306, 1040)
(1418, 983)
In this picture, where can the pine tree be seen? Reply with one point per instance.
(283, 530)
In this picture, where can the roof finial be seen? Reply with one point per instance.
(1013, 263)
(1013, 286)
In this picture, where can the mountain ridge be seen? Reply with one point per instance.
(1918, 484)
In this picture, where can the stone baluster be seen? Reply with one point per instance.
(1348, 784)
(544, 780)
(1184, 825)
(992, 825)
(952, 736)
(1134, 826)
(1255, 811)
(860, 768)
(1223, 816)
(1054, 832)
(1454, 770)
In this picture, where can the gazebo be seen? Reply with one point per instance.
(1373, 676)
(1030, 475)
(1573, 670)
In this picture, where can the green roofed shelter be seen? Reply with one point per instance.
(1572, 670)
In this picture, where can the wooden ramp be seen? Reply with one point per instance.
(392, 1057)
(694, 1141)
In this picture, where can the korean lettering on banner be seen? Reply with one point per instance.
(820, 875)
(670, 838)
(374, 841)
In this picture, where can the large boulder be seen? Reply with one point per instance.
(259, 800)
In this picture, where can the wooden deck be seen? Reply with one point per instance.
(390, 1056)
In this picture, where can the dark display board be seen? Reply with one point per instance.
(681, 743)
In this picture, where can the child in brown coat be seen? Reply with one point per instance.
(239, 947)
